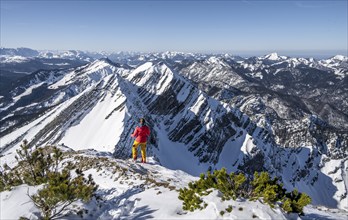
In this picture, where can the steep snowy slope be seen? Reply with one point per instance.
(68, 96)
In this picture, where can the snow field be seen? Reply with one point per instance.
(95, 124)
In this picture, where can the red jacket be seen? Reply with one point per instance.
(141, 133)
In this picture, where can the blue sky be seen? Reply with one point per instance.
(238, 27)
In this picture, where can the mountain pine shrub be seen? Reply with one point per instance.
(41, 166)
(296, 201)
(9, 179)
(34, 166)
(191, 200)
(61, 191)
(233, 186)
(269, 189)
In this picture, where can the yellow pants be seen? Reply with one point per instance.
(135, 150)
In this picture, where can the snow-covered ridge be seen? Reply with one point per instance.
(273, 56)
(93, 55)
(13, 59)
(340, 57)
(334, 61)
(129, 190)
(97, 106)
(337, 64)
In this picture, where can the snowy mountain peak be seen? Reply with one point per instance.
(340, 58)
(217, 61)
(100, 63)
(337, 62)
(271, 56)
(214, 60)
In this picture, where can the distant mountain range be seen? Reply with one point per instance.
(276, 113)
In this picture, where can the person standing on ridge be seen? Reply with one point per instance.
(141, 134)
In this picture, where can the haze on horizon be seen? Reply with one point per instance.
(240, 27)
